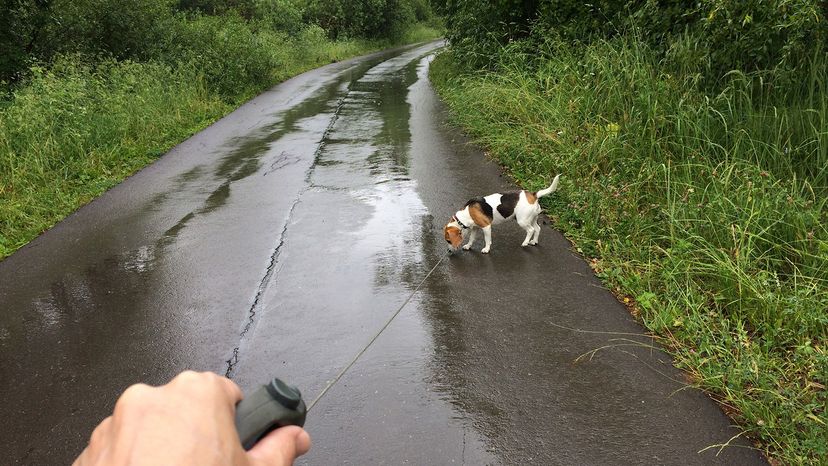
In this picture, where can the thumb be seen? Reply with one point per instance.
(280, 447)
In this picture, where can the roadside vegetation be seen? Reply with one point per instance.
(693, 142)
(93, 90)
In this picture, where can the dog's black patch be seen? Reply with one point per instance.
(507, 205)
(484, 206)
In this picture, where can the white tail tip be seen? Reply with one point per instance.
(551, 189)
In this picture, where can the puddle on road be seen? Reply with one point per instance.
(279, 144)
(262, 152)
(365, 157)
(353, 253)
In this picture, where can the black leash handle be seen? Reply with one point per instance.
(274, 405)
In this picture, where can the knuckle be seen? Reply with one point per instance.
(192, 380)
(100, 433)
(188, 376)
(200, 383)
(137, 391)
(135, 394)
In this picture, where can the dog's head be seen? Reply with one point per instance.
(454, 234)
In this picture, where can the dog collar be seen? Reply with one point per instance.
(454, 217)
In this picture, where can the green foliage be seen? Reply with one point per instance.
(761, 35)
(78, 128)
(477, 29)
(422, 11)
(660, 20)
(120, 28)
(206, 42)
(371, 19)
(21, 24)
(36, 31)
(245, 8)
(709, 210)
(748, 36)
(281, 15)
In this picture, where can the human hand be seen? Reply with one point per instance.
(189, 421)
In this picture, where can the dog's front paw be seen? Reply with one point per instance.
(524, 244)
(467, 247)
(485, 250)
(533, 243)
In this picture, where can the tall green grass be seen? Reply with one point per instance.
(76, 130)
(83, 124)
(707, 211)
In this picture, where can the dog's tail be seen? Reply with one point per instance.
(551, 189)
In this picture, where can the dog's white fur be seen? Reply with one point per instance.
(526, 213)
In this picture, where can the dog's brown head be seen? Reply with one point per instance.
(454, 235)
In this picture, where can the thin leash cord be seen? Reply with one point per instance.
(374, 338)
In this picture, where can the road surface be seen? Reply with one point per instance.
(280, 239)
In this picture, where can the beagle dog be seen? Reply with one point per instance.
(483, 212)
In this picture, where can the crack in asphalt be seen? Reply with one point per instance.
(270, 271)
(285, 159)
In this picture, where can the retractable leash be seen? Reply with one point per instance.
(278, 404)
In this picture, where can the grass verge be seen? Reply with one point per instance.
(83, 125)
(705, 213)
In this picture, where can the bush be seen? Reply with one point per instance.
(21, 23)
(119, 28)
(478, 30)
(748, 36)
(280, 15)
(370, 19)
(760, 35)
(35, 31)
(245, 8)
(207, 42)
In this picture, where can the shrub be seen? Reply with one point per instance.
(280, 15)
(120, 28)
(370, 19)
(38, 30)
(760, 35)
(207, 42)
(35, 31)
(748, 36)
(245, 8)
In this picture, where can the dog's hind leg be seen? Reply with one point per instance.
(537, 229)
(527, 225)
(529, 232)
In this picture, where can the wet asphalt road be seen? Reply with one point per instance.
(280, 239)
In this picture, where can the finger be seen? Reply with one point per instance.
(97, 447)
(101, 434)
(207, 382)
(281, 447)
(232, 390)
(134, 395)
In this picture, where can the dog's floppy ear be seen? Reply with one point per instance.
(453, 235)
